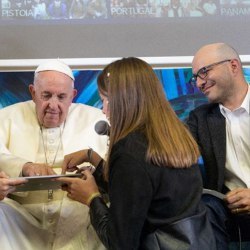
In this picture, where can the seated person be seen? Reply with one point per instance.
(35, 136)
(221, 128)
(154, 182)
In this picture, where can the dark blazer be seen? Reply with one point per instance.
(208, 127)
(151, 207)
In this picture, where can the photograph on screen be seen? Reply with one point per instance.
(108, 9)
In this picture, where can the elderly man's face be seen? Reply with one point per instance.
(52, 93)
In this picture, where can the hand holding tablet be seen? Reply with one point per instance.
(45, 182)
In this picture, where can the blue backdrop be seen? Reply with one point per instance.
(181, 94)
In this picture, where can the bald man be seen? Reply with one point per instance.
(222, 130)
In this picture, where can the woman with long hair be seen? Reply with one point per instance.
(154, 182)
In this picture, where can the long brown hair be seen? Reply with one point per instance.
(137, 102)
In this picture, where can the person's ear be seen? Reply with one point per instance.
(235, 65)
(74, 93)
(32, 91)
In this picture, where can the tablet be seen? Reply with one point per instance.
(45, 182)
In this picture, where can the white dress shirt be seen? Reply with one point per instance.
(237, 145)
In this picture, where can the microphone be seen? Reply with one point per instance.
(102, 128)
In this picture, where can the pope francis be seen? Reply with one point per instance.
(34, 137)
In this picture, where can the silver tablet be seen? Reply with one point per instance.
(45, 182)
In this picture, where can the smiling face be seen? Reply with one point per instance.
(218, 83)
(52, 93)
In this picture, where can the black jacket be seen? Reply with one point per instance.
(151, 207)
(208, 127)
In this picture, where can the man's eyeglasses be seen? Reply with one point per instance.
(202, 73)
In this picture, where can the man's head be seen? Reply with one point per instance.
(217, 72)
(53, 92)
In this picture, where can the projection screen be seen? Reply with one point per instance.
(90, 33)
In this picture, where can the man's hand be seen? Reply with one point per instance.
(7, 185)
(31, 169)
(239, 200)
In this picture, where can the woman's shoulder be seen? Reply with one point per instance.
(132, 141)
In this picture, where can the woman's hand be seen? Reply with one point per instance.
(71, 161)
(81, 189)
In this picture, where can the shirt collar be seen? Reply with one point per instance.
(245, 104)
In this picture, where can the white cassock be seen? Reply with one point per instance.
(37, 220)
